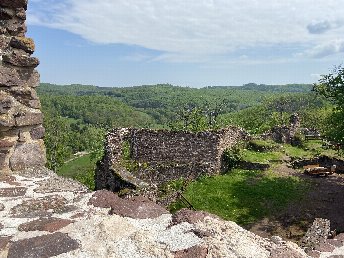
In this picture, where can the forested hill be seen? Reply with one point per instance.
(161, 101)
(83, 113)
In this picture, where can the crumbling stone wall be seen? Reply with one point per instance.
(285, 134)
(21, 129)
(158, 156)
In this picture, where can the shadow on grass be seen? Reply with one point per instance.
(244, 196)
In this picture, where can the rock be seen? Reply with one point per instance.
(38, 206)
(137, 207)
(335, 242)
(17, 77)
(27, 155)
(42, 246)
(14, 27)
(12, 192)
(4, 242)
(45, 224)
(6, 144)
(316, 234)
(37, 133)
(340, 237)
(25, 95)
(192, 217)
(6, 102)
(4, 42)
(14, 3)
(324, 247)
(23, 43)
(29, 118)
(103, 199)
(6, 122)
(3, 161)
(6, 14)
(17, 58)
(21, 14)
(192, 252)
(2, 207)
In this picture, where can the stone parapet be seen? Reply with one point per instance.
(21, 119)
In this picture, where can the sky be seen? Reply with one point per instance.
(193, 43)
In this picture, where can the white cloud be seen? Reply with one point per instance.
(197, 29)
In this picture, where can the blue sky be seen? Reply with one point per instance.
(186, 42)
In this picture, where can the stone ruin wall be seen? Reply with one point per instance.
(21, 129)
(159, 156)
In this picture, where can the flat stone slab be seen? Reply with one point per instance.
(42, 246)
(39, 206)
(137, 207)
(45, 224)
(12, 191)
(192, 252)
(4, 242)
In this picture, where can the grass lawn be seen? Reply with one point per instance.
(243, 196)
(81, 169)
(260, 157)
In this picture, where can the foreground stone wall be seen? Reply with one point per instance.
(21, 130)
(158, 156)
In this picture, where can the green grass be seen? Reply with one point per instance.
(243, 196)
(260, 157)
(81, 169)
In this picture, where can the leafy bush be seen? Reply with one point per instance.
(231, 158)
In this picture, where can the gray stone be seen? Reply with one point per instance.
(14, 27)
(6, 103)
(42, 246)
(17, 58)
(42, 206)
(18, 77)
(20, 13)
(12, 192)
(6, 14)
(14, 3)
(6, 122)
(37, 133)
(29, 119)
(27, 155)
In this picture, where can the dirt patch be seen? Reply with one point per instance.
(323, 199)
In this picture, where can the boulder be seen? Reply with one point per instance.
(27, 155)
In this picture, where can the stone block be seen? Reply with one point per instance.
(23, 43)
(14, 3)
(3, 161)
(29, 118)
(37, 133)
(6, 14)
(27, 155)
(4, 42)
(17, 77)
(43, 246)
(25, 95)
(45, 224)
(6, 122)
(14, 27)
(4, 144)
(21, 14)
(6, 102)
(20, 58)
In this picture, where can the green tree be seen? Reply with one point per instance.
(56, 140)
(332, 87)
